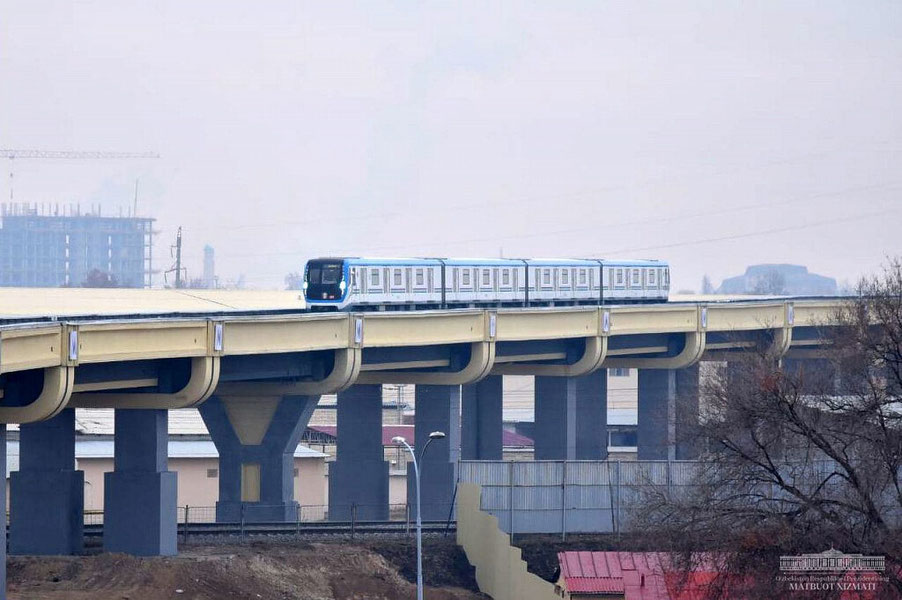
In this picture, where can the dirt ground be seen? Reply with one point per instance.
(265, 570)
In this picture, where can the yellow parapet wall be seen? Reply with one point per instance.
(500, 571)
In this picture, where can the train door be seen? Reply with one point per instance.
(386, 282)
(430, 275)
(363, 281)
(408, 280)
(495, 281)
(456, 277)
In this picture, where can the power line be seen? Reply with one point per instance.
(719, 238)
(595, 228)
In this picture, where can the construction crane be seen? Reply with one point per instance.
(13, 154)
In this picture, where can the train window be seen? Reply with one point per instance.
(354, 278)
(331, 275)
(486, 277)
(619, 276)
(666, 277)
(466, 277)
(419, 276)
(546, 277)
(565, 277)
(397, 277)
(375, 278)
(582, 277)
(651, 278)
(505, 277)
(635, 277)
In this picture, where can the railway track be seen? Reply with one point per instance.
(303, 528)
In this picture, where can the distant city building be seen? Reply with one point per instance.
(39, 249)
(209, 268)
(779, 280)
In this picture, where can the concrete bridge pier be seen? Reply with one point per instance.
(482, 420)
(437, 409)
(571, 417)
(47, 494)
(816, 375)
(668, 409)
(140, 494)
(256, 438)
(358, 478)
(3, 511)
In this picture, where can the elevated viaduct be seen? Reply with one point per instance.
(255, 365)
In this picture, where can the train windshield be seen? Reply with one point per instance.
(331, 274)
(324, 280)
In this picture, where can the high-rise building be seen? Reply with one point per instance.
(39, 249)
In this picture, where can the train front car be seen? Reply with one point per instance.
(326, 283)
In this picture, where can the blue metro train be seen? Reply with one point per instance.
(350, 283)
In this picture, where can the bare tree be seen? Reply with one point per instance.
(771, 283)
(97, 278)
(294, 280)
(796, 462)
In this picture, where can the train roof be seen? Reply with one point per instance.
(634, 262)
(487, 262)
(502, 262)
(570, 262)
(359, 260)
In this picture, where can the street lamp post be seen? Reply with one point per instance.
(435, 435)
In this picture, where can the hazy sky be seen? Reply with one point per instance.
(711, 134)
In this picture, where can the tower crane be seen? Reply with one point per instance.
(13, 154)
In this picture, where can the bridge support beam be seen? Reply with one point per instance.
(47, 494)
(358, 478)
(437, 409)
(571, 417)
(668, 409)
(256, 438)
(139, 496)
(481, 416)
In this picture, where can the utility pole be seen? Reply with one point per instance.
(178, 259)
(177, 247)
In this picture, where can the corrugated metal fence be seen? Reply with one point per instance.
(570, 496)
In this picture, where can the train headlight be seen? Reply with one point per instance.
(305, 285)
(342, 286)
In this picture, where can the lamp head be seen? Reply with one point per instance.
(398, 440)
(436, 435)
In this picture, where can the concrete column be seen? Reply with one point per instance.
(437, 409)
(815, 375)
(668, 411)
(358, 478)
(3, 511)
(481, 419)
(139, 496)
(47, 494)
(571, 417)
(256, 439)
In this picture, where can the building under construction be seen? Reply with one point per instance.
(55, 246)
